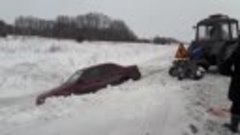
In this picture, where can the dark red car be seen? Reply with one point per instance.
(92, 79)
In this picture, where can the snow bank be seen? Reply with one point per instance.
(33, 65)
(155, 105)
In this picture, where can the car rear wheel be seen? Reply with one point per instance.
(172, 71)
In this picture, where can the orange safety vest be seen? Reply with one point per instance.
(182, 53)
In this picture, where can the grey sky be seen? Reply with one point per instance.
(145, 17)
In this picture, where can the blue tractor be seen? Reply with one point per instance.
(215, 41)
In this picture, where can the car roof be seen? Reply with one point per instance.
(101, 65)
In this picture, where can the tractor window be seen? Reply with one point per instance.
(218, 32)
(225, 32)
(202, 33)
(234, 31)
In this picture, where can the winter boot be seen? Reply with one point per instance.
(233, 126)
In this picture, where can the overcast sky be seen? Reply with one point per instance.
(146, 18)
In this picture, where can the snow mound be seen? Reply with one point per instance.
(155, 105)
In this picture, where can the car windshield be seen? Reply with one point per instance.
(74, 77)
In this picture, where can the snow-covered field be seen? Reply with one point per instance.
(155, 105)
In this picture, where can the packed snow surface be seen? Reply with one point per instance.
(157, 104)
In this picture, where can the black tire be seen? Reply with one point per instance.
(172, 71)
(205, 66)
(197, 75)
(181, 75)
(180, 78)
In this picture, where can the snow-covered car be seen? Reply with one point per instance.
(92, 79)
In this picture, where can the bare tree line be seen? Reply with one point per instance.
(92, 26)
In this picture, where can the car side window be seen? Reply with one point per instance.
(109, 68)
(100, 71)
(91, 73)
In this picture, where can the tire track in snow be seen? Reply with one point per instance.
(165, 117)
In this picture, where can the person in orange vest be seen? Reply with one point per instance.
(182, 53)
(183, 67)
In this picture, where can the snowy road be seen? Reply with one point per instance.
(155, 105)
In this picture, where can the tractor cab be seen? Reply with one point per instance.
(216, 39)
(217, 28)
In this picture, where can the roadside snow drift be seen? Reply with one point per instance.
(155, 105)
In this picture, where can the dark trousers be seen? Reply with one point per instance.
(235, 108)
(235, 116)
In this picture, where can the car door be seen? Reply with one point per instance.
(105, 75)
(92, 80)
(113, 74)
